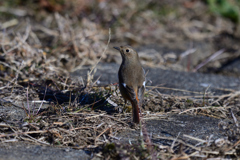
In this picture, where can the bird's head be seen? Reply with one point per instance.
(127, 53)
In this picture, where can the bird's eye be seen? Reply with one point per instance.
(127, 50)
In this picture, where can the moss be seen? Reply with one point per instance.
(225, 8)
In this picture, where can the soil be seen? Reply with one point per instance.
(22, 151)
(54, 107)
(169, 81)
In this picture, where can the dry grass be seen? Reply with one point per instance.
(35, 62)
(81, 121)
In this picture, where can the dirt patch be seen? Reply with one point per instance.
(25, 151)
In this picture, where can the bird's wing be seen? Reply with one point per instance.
(131, 92)
(135, 94)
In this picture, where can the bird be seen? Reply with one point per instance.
(131, 76)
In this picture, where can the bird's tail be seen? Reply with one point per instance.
(135, 112)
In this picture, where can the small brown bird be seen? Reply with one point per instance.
(131, 77)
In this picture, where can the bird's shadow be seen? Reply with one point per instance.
(78, 98)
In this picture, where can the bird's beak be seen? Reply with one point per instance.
(117, 48)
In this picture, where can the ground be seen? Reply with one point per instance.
(59, 95)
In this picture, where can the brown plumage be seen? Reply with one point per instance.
(131, 77)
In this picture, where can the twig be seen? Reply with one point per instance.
(27, 32)
(36, 140)
(200, 108)
(81, 128)
(187, 52)
(194, 138)
(147, 139)
(232, 96)
(42, 100)
(101, 134)
(95, 116)
(180, 141)
(234, 119)
(3, 40)
(7, 65)
(28, 103)
(14, 11)
(109, 38)
(114, 119)
(173, 143)
(220, 98)
(238, 142)
(209, 59)
(9, 140)
(21, 133)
